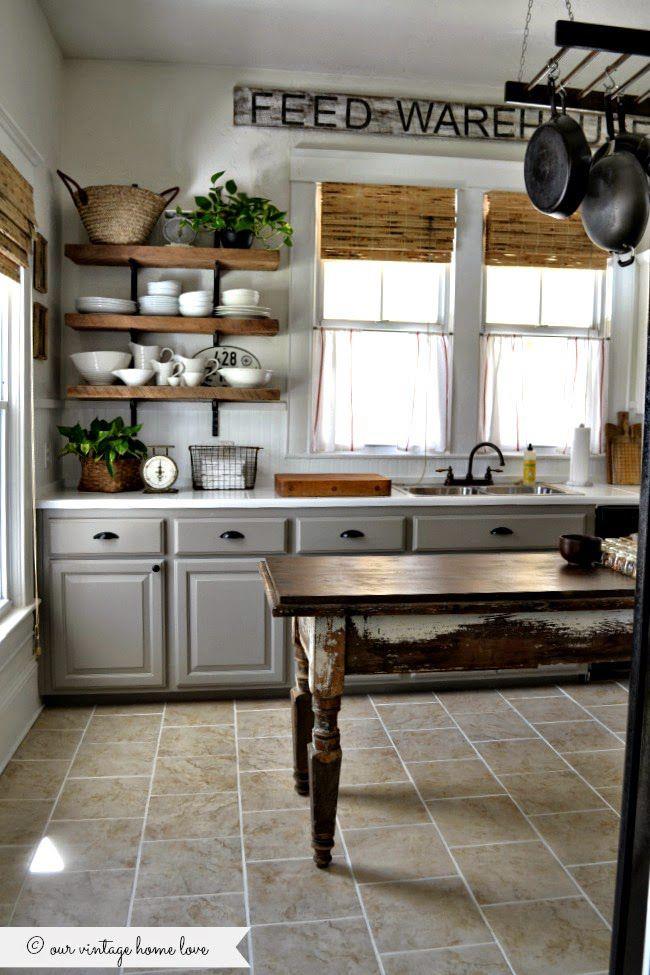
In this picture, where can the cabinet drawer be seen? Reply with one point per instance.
(350, 535)
(229, 536)
(498, 532)
(106, 536)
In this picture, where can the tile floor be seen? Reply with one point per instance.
(478, 829)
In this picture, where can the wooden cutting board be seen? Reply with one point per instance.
(623, 450)
(332, 485)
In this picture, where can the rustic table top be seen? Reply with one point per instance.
(348, 585)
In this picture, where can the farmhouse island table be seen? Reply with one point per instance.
(416, 613)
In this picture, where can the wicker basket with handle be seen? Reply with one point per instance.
(95, 475)
(114, 214)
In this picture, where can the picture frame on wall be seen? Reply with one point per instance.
(39, 331)
(40, 264)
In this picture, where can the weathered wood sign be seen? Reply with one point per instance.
(392, 115)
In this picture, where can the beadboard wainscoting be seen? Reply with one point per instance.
(19, 698)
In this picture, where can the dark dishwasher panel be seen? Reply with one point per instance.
(613, 521)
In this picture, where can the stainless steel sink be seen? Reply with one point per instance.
(509, 489)
(440, 490)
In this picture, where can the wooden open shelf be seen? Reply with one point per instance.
(119, 255)
(204, 394)
(172, 323)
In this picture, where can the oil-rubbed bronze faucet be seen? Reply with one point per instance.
(469, 479)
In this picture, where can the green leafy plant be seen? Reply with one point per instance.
(227, 208)
(107, 440)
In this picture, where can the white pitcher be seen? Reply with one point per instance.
(165, 370)
(145, 355)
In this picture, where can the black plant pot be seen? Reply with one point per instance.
(241, 239)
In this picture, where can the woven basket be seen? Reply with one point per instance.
(95, 475)
(114, 214)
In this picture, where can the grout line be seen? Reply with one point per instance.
(240, 808)
(419, 951)
(567, 812)
(593, 863)
(408, 880)
(461, 876)
(311, 920)
(167, 897)
(536, 900)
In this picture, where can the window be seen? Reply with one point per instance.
(10, 301)
(381, 370)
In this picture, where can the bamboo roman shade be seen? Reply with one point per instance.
(17, 219)
(517, 235)
(363, 222)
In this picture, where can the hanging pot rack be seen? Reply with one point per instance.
(570, 35)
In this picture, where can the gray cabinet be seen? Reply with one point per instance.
(106, 623)
(223, 632)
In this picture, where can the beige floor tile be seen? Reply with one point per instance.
(599, 692)
(387, 804)
(357, 706)
(494, 725)
(191, 775)
(340, 947)
(613, 716)
(174, 868)
(410, 698)
(95, 898)
(449, 780)
(401, 853)
(613, 795)
(479, 960)
(102, 798)
(141, 707)
(598, 880)
(578, 736)
(600, 769)
(192, 817)
(114, 758)
(296, 890)
(513, 872)
(263, 754)
(549, 709)
(423, 914)
(472, 702)
(363, 766)
(263, 703)
(220, 910)
(432, 746)
(62, 719)
(48, 745)
(199, 712)
(520, 756)
(218, 740)
(258, 724)
(363, 733)
(581, 837)
(14, 862)
(494, 819)
(270, 790)
(550, 792)
(32, 780)
(562, 937)
(123, 727)
(23, 820)
(279, 835)
(100, 844)
(409, 717)
(528, 693)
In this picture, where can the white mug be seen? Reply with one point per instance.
(192, 378)
(166, 370)
(143, 355)
(174, 381)
(193, 365)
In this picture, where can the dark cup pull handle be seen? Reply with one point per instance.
(105, 536)
(230, 535)
(352, 533)
(155, 568)
(501, 530)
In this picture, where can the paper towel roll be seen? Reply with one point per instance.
(579, 469)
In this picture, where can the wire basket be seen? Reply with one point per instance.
(224, 468)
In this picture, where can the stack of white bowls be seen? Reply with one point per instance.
(241, 303)
(161, 298)
(196, 304)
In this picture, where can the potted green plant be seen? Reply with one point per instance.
(109, 452)
(235, 218)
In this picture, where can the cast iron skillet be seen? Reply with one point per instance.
(556, 166)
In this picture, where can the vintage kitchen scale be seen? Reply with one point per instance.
(159, 471)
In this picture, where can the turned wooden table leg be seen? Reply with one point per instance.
(324, 773)
(302, 718)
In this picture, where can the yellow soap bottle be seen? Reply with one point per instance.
(530, 465)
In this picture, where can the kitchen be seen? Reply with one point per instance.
(166, 659)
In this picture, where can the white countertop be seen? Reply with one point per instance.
(71, 499)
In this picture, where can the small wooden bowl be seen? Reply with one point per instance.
(581, 550)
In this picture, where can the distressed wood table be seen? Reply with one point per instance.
(417, 613)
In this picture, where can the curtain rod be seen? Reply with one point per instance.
(544, 335)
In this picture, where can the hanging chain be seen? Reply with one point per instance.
(524, 42)
(569, 9)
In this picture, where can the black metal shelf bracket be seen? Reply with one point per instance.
(134, 268)
(215, 417)
(133, 406)
(216, 286)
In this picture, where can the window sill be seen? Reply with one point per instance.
(13, 617)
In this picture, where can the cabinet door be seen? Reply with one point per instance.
(107, 623)
(224, 633)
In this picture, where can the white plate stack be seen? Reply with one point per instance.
(242, 303)
(196, 304)
(105, 306)
(158, 305)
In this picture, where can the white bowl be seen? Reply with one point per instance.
(134, 377)
(240, 296)
(198, 312)
(170, 288)
(97, 367)
(246, 378)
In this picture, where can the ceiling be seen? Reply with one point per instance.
(468, 44)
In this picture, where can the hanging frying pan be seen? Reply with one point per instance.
(557, 161)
